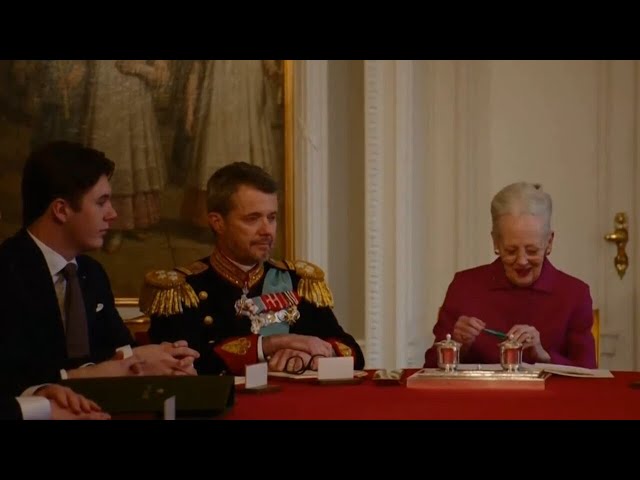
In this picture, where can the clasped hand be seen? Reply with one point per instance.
(293, 352)
(167, 358)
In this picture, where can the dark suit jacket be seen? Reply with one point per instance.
(32, 339)
(9, 408)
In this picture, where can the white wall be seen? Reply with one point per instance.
(413, 152)
(543, 128)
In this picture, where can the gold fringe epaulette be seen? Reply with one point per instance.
(312, 285)
(166, 292)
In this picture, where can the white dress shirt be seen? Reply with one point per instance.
(55, 263)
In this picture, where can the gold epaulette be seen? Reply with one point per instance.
(166, 292)
(194, 268)
(312, 285)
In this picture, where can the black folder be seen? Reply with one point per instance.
(202, 396)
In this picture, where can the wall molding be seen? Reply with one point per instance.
(375, 296)
(406, 343)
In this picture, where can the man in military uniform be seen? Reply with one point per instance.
(238, 307)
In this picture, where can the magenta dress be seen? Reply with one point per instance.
(557, 304)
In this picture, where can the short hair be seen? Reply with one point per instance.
(60, 169)
(521, 198)
(226, 180)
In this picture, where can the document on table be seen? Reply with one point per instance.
(571, 371)
(565, 370)
(310, 374)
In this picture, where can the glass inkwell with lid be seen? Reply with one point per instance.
(448, 354)
(511, 354)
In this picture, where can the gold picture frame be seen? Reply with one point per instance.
(44, 100)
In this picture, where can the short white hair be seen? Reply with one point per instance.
(521, 198)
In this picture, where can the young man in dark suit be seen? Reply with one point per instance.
(59, 318)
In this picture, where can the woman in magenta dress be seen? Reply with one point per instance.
(521, 293)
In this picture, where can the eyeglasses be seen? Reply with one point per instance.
(298, 361)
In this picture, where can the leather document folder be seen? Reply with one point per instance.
(202, 396)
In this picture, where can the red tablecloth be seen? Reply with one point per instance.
(563, 398)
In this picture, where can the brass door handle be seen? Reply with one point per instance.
(620, 236)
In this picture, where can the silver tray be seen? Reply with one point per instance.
(478, 378)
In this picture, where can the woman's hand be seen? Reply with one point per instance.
(529, 337)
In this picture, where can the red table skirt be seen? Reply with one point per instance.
(563, 398)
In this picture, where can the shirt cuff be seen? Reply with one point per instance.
(260, 352)
(32, 390)
(35, 408)
(64, 375)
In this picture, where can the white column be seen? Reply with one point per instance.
(405, 300)
(376, 283)
(393, 316)
(311, 173)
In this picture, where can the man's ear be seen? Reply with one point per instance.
(216, 222)
(60, 209)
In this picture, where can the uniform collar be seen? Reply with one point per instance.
(230, 270)
(544, 283)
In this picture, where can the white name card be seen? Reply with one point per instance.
(256, 375)
(335, 368)
(170, 408)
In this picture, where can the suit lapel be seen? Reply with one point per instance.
(37, 282)
(88, 294)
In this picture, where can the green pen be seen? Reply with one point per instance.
(495, 333)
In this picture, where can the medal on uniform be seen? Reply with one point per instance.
(269, 308)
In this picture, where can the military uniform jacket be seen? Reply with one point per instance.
(208, 292)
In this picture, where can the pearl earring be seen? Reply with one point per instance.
(496, 251)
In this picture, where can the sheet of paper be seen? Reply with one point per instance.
(307, 374)
(491, 367)
(335, 368)
(170, 408)
(310, 374)
(256, 375)
(570, 371)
